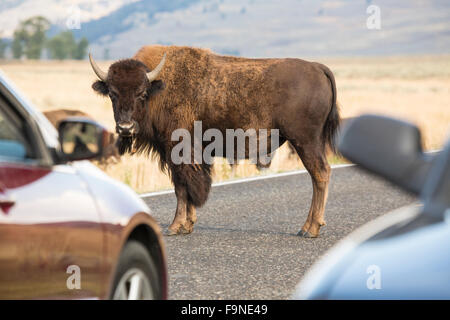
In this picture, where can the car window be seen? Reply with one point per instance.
(14, 146)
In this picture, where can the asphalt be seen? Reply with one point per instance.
(244, 245)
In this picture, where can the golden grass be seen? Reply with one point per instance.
(415, 88)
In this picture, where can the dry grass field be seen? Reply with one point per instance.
(416, 88)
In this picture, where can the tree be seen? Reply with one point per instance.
(63, 46)
(29, 37)
(81, 49)
(35, 29)
(17, 44)
(56, 48)
(3, 46)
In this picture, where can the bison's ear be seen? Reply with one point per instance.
(100, 87)
(155, 87)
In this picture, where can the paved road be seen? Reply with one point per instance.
(244, 244)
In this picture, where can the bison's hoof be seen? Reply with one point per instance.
(181, 230)
(170, 232)
(303, 233)
(184, 230)
(306, 234)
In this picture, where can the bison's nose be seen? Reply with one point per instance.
(125, 128)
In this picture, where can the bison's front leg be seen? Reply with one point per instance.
(191, 218)
(185, 218)
(177, 226)
(192, 184)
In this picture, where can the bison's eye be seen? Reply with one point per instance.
(142, 95)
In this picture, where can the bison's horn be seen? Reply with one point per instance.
(99, 72)
(153, 74)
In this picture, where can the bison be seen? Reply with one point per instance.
(164, 88)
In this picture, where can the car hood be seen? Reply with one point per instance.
(411, 264)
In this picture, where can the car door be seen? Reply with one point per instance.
(51, 241)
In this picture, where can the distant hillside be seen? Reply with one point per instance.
(129, 17)
(297, 28)
(57, 11)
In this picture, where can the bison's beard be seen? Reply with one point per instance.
(124, 144)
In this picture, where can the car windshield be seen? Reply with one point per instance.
(49, 133)
(13, 143)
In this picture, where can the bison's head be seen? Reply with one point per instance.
(130, 85)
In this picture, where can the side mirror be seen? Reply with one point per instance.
(81, 139)
(387, 147)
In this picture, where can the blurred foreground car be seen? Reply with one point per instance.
(67, 230)
(404, 254)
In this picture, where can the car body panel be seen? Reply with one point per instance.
(323, 274)
(61, 215)
(414, 252)
(401, 255)
(121, 212)
(48, 229)
(409, 265)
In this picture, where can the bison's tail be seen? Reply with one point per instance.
(331, 126)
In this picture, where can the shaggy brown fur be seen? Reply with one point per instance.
(110, 153)
(292, 95)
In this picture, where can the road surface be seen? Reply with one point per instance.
(244, 245)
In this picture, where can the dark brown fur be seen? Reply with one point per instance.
(292, 95)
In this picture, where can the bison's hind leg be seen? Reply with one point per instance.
(314, 159)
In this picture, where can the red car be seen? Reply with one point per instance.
(67, 231)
